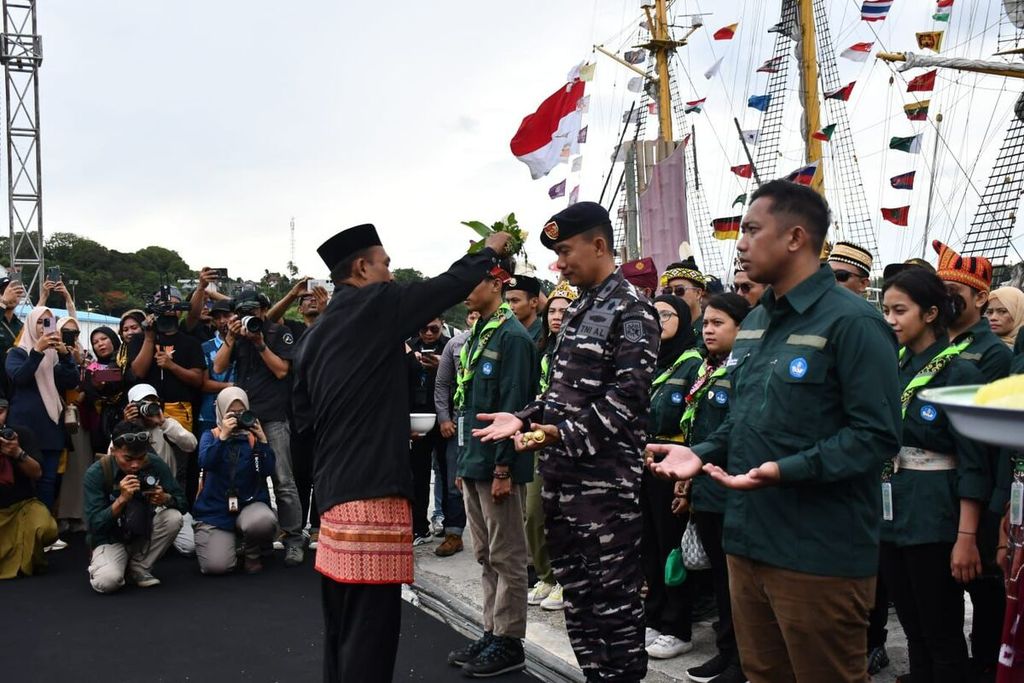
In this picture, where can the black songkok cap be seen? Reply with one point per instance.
(346, 243)
(578, 218)
(525, 283)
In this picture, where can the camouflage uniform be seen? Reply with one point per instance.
(599, 398)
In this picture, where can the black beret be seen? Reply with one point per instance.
(573, 220)
(346, 243)
(525, 283)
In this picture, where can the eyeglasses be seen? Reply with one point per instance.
(679, 290)
(131, 439)
(667, 315)
(433, 329)
(742, 288)
(844, 275)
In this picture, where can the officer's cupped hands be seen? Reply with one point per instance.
(670, 461)
(759, 477)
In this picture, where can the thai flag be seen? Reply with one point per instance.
(875, 10)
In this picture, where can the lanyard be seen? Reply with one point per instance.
(663, 377)
(928, 372)
(545, 373)
(468, 360)
(697, 392)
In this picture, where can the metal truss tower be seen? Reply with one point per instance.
(21, 53)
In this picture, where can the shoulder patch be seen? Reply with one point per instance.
(288, 338)
(633, 330)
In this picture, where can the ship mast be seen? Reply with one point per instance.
(662, 46)
(809, 74)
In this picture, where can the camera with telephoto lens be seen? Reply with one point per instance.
(165, 310)
(7, 434)
(147, 408)
(252, 324)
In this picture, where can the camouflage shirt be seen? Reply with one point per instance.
(602, 367)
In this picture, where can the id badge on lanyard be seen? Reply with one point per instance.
(887, 501)
(1017, 503)
(462, 430)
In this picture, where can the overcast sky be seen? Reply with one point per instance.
(205, 126)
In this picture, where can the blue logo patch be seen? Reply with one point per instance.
(721, 398)
(798, 368)
(677, 397)
(929, 413)
(487, 368)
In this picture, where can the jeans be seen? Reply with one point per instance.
(451, 498)
(289, 511)
(48, 483)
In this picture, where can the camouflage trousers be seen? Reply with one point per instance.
(593, 536)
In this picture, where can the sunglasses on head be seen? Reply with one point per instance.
(131, 439)
(844, 275)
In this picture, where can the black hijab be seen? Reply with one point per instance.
(683, 339)
(115, 341)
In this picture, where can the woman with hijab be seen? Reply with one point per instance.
(1006, 313)
(131, 325)
(78, 452)
(40, 368)
(234, 459)
(668, 608)
(104, 387)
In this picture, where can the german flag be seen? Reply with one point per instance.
(726, 228)
(917, 111)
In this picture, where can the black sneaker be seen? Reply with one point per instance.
(466, 654)
(707, 671)
(878, 659)
(502, 656)
(732, 674)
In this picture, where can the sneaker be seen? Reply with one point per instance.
(452, 544)
(56, 545)
(732, 674)
(468, 653)
(437, 527)
(667, 647)
(145, 580)
(314, 539)
(878, 659)
(252, 566)
(554, 601)
(422, 539)
(294, 556)
(651, 635)
(539, 592)
(501, 656)
(279, 542)
(709, 670)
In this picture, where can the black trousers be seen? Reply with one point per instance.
(421, 456)
(709, 527)
(668, 608)
(879, 617)
(302, 469)
(930, 606)
(362, 623)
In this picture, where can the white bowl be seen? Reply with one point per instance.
(421, 423)
(996, 426)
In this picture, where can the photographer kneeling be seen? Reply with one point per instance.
(235, 459)
(133, 509)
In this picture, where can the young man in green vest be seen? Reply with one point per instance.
(496, 370)
(815, 414)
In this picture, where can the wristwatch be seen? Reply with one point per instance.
(21, 457)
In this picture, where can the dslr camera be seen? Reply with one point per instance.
(246, 421)
(148, 482)
(147, 408)
(7, 434)
(165, 310)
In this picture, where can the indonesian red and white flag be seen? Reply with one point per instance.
(858, 52)
(555, 126)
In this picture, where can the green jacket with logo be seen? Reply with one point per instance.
(708, 495)
(505, 380)
(815, 389)
(926, 505)
(668, 401)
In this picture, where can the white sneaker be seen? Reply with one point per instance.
(56, 545)
(554, 600)
(540, 590)
(667, 647)
(649, 636)
(422, 540)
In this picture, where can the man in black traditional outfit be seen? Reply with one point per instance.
(351, 389)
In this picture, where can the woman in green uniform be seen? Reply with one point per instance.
(546, 592)
(707, 405)
(933, 492)
(667, 607)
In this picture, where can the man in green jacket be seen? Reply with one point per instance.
(815, 414)
(496, 371)
(133, 510)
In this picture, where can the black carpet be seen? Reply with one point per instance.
(195, 628)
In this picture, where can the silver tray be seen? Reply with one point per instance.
(996, 426)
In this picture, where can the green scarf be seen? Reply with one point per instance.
(697, 393)
(478, 340)
(932, 368)
(663, 377)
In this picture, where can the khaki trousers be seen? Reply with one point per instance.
(215, 548)
(792, 626)
(499, 542)
(109, 561)
(536, 538)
